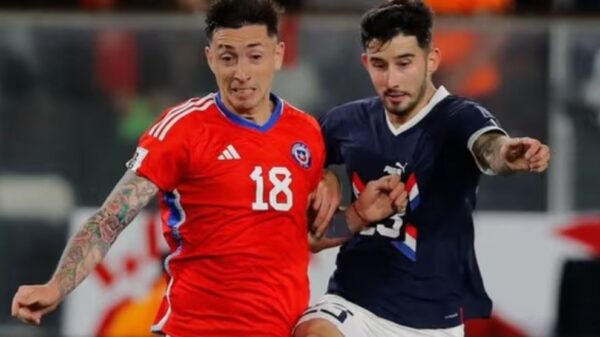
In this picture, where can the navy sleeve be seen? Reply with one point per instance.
(472, 121)
(330, 127)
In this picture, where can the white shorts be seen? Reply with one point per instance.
(355, 321)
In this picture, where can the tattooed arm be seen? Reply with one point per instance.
(86, 248)
(504, 155)
(380, 199)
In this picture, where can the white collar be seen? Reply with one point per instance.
(439, 95)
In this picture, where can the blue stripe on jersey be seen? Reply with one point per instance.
(401, 246)
(176, 215)
(415, 203)
(246, 123)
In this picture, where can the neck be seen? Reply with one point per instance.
(258, 114)
(397, 120)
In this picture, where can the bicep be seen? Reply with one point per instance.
(129, 196)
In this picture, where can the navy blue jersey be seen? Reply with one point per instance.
(417, 269)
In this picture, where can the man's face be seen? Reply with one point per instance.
(400, 71)
(244, 61)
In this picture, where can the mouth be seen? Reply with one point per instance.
(396, 97)
(243, 91)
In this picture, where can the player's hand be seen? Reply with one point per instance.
(525, 154)
(325, 202)
(32, 302)
(380, 199)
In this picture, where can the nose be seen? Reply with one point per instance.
(241, 72)
(393, 78)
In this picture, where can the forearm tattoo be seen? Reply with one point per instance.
(487, 151)
(91, 243)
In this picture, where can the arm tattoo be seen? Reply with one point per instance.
(91, 243)
(487, 152)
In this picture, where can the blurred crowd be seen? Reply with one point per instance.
(75, 96)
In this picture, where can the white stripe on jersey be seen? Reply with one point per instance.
(174, 110)
(167, 120)
(157, 129)
(203, 107)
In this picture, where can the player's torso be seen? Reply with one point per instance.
(237, 224)
(245, 182)
(436, 170)
(414, 256)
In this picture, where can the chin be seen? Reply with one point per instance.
(245, 105)
(396, 110)
(239, 101)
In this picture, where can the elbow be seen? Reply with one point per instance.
(315, 248)
(314, 245)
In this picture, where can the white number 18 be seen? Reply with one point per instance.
(281, 178)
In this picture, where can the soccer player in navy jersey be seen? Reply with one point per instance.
(415, 273)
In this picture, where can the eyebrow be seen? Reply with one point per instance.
(405, 55)
(398, 57)
(230, 47)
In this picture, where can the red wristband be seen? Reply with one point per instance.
(358, 214)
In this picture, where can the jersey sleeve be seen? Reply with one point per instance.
(162, 155)
(472, 122)
(330, 129)
(319, 159)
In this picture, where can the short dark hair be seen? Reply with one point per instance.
(393, 17)
(238, 13)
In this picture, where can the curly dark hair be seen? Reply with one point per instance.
(393, 17)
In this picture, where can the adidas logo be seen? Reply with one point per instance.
(229, 153)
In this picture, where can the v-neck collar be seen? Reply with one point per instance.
(237, 119)
(439, 95)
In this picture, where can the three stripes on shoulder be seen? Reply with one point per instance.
(162, 127)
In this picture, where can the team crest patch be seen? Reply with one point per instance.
(301, 154)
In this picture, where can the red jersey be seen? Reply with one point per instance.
(233, 200)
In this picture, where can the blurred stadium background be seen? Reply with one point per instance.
(81, 79)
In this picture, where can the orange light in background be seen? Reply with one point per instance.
(471, 6)
(479, 76)
(133, 318)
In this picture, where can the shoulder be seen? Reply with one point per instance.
(457, 107)
(355, 107)
(351, 110)
(181, 117)
(300, 116)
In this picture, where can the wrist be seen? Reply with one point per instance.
(502, 168)
(54, 286)
(355, 220)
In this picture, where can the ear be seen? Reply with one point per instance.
(364, 59)
(433, 60)
(279, 53)
(209, 58)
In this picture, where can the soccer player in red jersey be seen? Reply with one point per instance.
(235, 173)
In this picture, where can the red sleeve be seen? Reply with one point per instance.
(162, 155)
